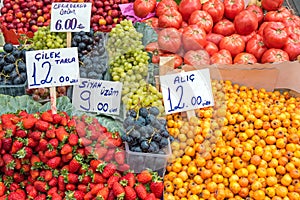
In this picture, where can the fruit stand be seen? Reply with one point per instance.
(146, 99)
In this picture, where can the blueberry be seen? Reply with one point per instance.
(8, 47)
(129, 121)
(157, 137)
(145, 146)
(77, 38)
(171, 138)
(150, 118)
(81, 46)
(13, 74)
(143, 112)
(140, 122)
(9, 58)
(135, 134)
(154, 146)
(124, 137)
(164, 133)
(154, 110)
(163, 143)
(162, 121)
(92, 75)
(21, 66)
(23, 76)
(132, 113)
(8, 68)
(17, 80)
(74, 44)
(136, 149)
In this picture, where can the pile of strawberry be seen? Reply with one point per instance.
(55, 156)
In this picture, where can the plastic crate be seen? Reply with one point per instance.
(140, 161)
(13, 90)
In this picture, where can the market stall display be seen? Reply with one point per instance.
(167, 99)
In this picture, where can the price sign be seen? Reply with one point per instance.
(53, 67)
(70, 17)
(186, 91)
(97, 96)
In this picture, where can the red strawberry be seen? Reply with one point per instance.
(47, 116)
(25, 152)
(32, 143)
(111, 195)
(56, 196)
(48, 175)
(107, 170)
(98, 178)
(109, 155)
(96, 188)
(100, 151)
(20, 133)
(34, 159)
(50, 133)
(64, 121)
(124, 167)
(118, 190)
(40, 197)
(15, 196)
(42, 125)
(67, 157)
(85, 142)
(82, 187)
(50, 153)
(2, 188)
(61, 134)
(70, 187)
(88, 195)
(75, 163)
(56, 118)
(79, 195)
(72, 178)
(36, 135)
(31, 191)
(61, 183)
(103, 193)
(144, 177)
(42, 146)
(95, 164)
(41, 186)
(114, 178)
(73, 139)
(151, 196)
(113, 142)
(66, 148)
(54, 143)
(17, 145)
(157, 186)
(141, 191)
(130, 193)
(130, 178)
(54, 162)
(80, 128)
(120, 156)
(53, 182)
(7, 143)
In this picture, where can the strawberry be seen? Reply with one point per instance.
(32, 143)
(56, 196)
(73, 139)
(15, 196)
(144, 177)
(111, 195)
(36, 135)
(151, 196)
(79, 195)
(54, 143)
(41, 125)
(124, 167)
(120, 156)
(2, 188)
(75, 163)
(20, 133)
(34, 159)
(100, 151)
(17, 145)
(118, 190)
(56, 118)
(84, 142)
(47, 116)
(112, 179)
(82, 187)
(130, 178)
(80, 128)
(71, 124)
(103, 193)
(98, 178)
(40, 197)
(25, 152)
(50, 133)
(157, 186)
(50, 153)
(61, 183)
(96, 188)
(18, 177)
(109, 155)
(70, 187)
(141, 191)
(72, 178)
(113, 142)
(7, 143)
(42, 146)
(66, 148)
(107, 170)
(31, 191)
(41, 186)
(88, 195)
(67, 157)
(54, 162)
(48, 175)
(130, 193)
(61, 134)
(95, 164)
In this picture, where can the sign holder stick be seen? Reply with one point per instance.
(166, 64)
(53, 89)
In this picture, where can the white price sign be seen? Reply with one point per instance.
(186, 91)
(97, 96)
(70, 17)
(53, 67)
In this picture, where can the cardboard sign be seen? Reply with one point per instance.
(97, 96)
(70, 17)
(53, 67)
(186, 91)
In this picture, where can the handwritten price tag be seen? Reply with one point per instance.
(97, 96)
(186, 91)
(53, 67)
(70, 17)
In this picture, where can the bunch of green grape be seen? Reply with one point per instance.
(44, 39)
(142, 94)
(127, 59)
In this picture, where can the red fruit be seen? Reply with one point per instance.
(100, 151)
(42, 125)
(144, 177)
(111, 195)
(41, 186)
(78, 195)
(48, 175)
(109, 155)
(94, 164)
(61, 183)
(72, 178)
(20, 133)
(47, 116)
(31, 191)
(151, 196)
(120, 156)
(40, 197)
(130, 178)
(2, 188)
(88, 195)
(95, 189)
(17, 145)
(56, 118)
(50, 133)
(157, 186)
(98, 178)
(54, 162)
(130, 193)
(50, 153)
(6, 143)
(70, 187)
(107, 170)
(75, 163)
(16, 196)
(114, 178)
(103, 193)
(124, 167)
(67, 148)
(36, 135)
(118, 190)
(25, 152)
(141, 191)
(85, 142)
(53, 182)
(73, 139)
(53, 142)
(61, 134)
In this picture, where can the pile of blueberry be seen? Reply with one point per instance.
(12, 65)
(145, 132)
